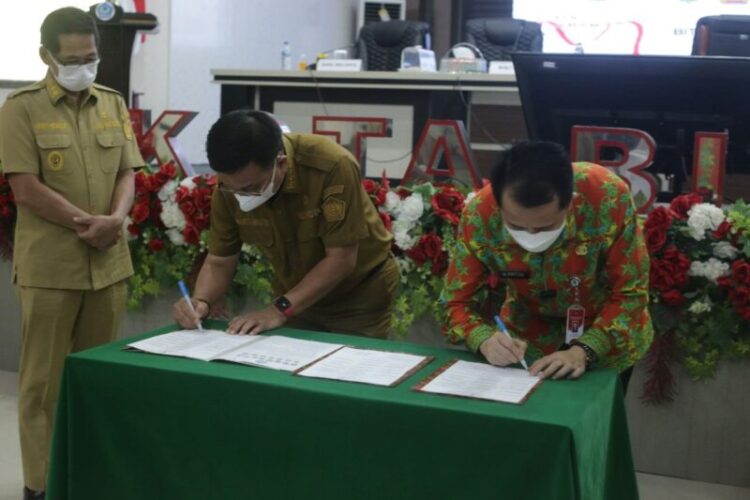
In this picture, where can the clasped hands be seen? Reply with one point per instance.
(99, 231)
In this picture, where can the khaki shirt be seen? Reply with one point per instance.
(320, 204)
(78, 153)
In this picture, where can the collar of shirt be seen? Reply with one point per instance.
(56, 92)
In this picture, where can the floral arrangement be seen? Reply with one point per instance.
(168, 231)
(423, 219)
(700, 289)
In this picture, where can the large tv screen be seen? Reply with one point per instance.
(658, 27)
(670, 97)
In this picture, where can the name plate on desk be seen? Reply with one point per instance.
(502, 68)
(339, 65)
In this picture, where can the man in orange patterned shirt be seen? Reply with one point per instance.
(564, 242)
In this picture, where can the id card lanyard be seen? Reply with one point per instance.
(576, 313)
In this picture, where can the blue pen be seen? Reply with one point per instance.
(502, 328)
(186, 296)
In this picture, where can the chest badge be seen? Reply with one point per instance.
(55, 161)
(582, 250)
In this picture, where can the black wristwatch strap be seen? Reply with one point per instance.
(591, 356)
(207, 304)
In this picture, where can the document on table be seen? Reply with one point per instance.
(204, 345)
(278, 352)
(481, 381)
(366, 366)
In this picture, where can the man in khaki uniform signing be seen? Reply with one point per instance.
(67, 148)
(299, 199)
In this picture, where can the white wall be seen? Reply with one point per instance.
(199, 35)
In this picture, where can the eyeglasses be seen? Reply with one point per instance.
(251, 191)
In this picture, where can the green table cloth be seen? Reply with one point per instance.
(139, 426)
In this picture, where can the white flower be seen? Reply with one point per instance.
(188, 182)
(176, 237)
(470, 197)
(401, 234)
(405, 266)
(712, 269)
(699, 307)
(725, 250)
(702, 217)
(393, 203)
(167, 191)
(172, 216)
(412, 208)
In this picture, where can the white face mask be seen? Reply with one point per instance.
(76, 77)
(535, 242)
(251, 202)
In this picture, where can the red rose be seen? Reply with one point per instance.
(370, 186)
(403, 193)
(416, 253)
(723, 230)
(448, 204)
(656, 237)
(188, 208)
(431, 244)
(168, 170)
(661, 280)
(741, 271)
(745, 313)
(725, 282)
(156, 245)
(201, 221)
(387, 222)
(740, 296)
(202, 199)
(380, 197)
(682, 204)
(673, 297)
(140, 212)
(440, 264)
(659, 218)
(134, 230)
(211, 180)
(181, 193)
(191, 234)
(140, 182)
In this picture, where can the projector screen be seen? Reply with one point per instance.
(658, 27)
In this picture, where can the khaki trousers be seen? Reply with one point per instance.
(55, 323)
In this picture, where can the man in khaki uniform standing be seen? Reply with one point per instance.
(68, 151)
(299, 199)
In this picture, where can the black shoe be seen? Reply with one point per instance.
(32, 495)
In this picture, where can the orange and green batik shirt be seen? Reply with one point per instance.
(601, 244)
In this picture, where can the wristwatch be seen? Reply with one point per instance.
(591, 356)
(207, 305)
(284, 306)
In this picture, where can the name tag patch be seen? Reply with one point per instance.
(514, 274)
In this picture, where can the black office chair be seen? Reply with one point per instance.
(722, 36)
(497, 38)
(380, 44)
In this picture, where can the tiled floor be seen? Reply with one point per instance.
(651, 487)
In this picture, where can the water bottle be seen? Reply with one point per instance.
(286, 56)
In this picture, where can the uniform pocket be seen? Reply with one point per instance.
(110, 150)
(55, 153)
(255, 232)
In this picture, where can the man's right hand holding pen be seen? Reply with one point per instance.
(503, 350)
(188, 318)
